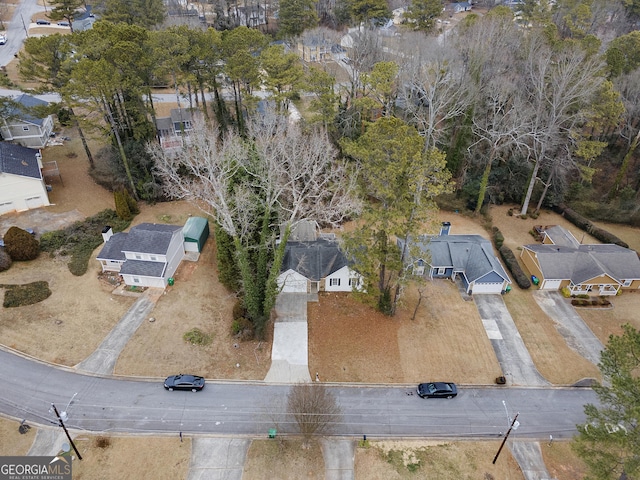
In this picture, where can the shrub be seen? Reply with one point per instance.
(20, 244)
(239, 311)
(5, 260)
(512, 264)
(27, 294)
(566, 293)
(242, 329)
(584, 224)
(122, 207)
(131, 203)
(195, 336)
(498, 238)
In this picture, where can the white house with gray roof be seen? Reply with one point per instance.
(562, 261)
(22, 185)
(314, 266)
(146, 256)
(467, 257)
(22, 127)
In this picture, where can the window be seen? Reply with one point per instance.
(334, 282)
(138, 256)
(153, 258)
(136, 280)
(441, 270)
(627, 283)
(418, 270)
(25, 128)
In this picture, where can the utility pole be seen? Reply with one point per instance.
(514, 423)
(67, 432)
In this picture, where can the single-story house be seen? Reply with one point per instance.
(562, 261)
(313, 262)
(83, 20)
(146, 256)
(21, 127)
(468, 257)
(22, 185)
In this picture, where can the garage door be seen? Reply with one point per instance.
(34, 202)
(551, 284)
(7, 207)
(486, 288)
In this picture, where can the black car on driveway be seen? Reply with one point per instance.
(437, 390)
(184, 382)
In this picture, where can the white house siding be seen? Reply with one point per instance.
(292, 282)
(21, 193)
(140, 281)
(340, 280)
(175, 254)
(29, 134)
(110, 266)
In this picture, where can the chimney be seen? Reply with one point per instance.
(444, 229)
(107, 233)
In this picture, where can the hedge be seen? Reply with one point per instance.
(512, 264)
(498, 238)
(586, 225)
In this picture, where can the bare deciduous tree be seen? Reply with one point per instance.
(314, 409)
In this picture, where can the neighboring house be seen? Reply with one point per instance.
(315, 46)
(458, 7)
(252, 16)
(22, 128)
(315, 263)
(562, 261)
(468, 257)
(147, 256)
(83, 20)
(175, 128)
(22, 185)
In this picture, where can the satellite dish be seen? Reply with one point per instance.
(65, 447)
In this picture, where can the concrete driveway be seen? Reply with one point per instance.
(570, 325)
(517, 365)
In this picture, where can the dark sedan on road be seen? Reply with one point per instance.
(184, 382)
(437, 390)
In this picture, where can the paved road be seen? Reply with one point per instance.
(17, 29)
(240, 408)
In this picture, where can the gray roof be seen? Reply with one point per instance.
(586, 262)
(150, 238)
(561, 236)
(471, 254)
(112, 250)
(21, 111)
(314, 260)
(143, 268)
(19, 160)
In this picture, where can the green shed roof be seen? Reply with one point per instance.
(194, 227)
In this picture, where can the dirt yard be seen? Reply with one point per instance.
(349, 342)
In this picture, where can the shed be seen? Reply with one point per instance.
(195, 232)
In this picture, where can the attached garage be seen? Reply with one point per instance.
(291, 281)
(196, 233)
(487, 288)
(550, 285)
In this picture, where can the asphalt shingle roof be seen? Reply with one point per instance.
(315, 260)
(19, 160)
(27, 101)
(151, 238)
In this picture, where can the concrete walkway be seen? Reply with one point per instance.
(529, 457)
(339, 458)
(517, 365)
(570, 325)
(47, 442)
(104, 359)
(290, 350)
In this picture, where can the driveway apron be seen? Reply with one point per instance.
(513, 356)
(570, 325)
(339, 458)
(529, 457)
(103, 360)
(218, 458)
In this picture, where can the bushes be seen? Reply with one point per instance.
(514, 267)
(28, 294)
(586, 225)
(5, 260)
(81, 239)
(20, 244)
(195, 336)
(498, 238)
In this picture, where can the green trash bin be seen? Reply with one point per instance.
(507, 288)
(535, 280)
(272, 433)
(170, 281)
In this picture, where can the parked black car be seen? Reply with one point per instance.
(437, 390)
(43, 22)
(184, 382)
